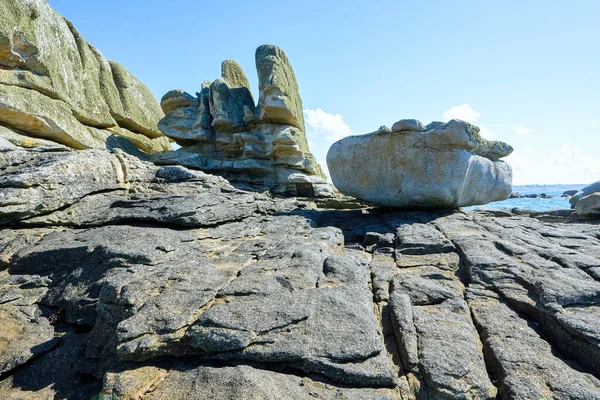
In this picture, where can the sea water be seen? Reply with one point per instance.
(555, 203)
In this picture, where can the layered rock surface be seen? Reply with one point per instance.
(55, 86)
(156, 282)
(440, 166)
(222, 131)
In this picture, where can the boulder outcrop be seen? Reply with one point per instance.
(588, 207)
(123, 279)
(55, 86)
(222, 131)
(439, 166)
(586, 191)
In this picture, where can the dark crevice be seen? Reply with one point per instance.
(57, 317)
(492, 364)
(583, 355)
(463, 273)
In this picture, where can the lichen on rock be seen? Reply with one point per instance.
(56, 86)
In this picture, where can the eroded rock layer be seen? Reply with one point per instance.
(160, 282)
(55, 86)
(222, 131)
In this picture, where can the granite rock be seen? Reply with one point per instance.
(222, 131)
(446, 167)
(586, 191)
(56, 86)
(588, 207)
(150, 282)
(408, 125)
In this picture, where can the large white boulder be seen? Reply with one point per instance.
(448, 166)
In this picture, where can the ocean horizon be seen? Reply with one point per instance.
(556, 202)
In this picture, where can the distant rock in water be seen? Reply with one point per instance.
(518, 195)
(569, 193)
(222, 131)
(55, 86)
(435, 167)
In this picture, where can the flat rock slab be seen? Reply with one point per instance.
(245, 382)
(420, 238)
(151, 282)
(524, 363)
(294, 301)
(97, 187)
(541, 270)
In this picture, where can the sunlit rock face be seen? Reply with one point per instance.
(588, 207)
(55, 86)
(223, 131)
(437, 166)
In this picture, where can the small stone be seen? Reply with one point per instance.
(434, 125)
(166, 249)
(408, 125)
(178, 98)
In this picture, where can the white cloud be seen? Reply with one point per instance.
(565, 164)
(463, 111)
(466, 113)
(331, 126)
(520, 130)
(595, 122)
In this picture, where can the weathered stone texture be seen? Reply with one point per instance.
(56, 86)
(142, 281)
(444, 167)
(222, 131)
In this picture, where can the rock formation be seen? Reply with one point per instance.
(588, 207)
(439, 166)
(586, 202)
(222, 131)
(122, 279)
(130, 280)
(55, 86)
(586, 191)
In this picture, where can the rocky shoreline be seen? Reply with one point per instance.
(171, 282)
(129, 270)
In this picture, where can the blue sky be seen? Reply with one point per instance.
(526, 72)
